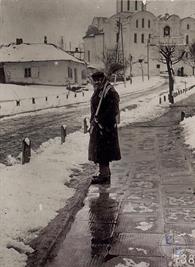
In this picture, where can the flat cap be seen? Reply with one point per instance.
(97, 75)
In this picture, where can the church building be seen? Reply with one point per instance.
(134, 34)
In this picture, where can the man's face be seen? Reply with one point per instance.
(97, 83)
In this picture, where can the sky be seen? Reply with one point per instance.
(24, 212)
(32, 19)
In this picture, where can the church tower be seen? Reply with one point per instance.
(130, 6)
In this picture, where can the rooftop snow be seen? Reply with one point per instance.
(33, 52)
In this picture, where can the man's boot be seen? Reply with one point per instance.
(104, 175)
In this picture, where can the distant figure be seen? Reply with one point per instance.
(103, 144)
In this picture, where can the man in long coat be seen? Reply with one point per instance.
(104, 143)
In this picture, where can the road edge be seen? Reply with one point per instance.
(49, 236)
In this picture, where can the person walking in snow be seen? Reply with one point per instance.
(103, 143)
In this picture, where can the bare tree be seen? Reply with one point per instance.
(189, 57)
(171, 55)
(112, 65)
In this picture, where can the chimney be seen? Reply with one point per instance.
(45, 39)
(62, 42)
(19, 41)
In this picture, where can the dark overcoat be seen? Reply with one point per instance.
(104, 143)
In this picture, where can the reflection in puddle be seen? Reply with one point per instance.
(102, 220)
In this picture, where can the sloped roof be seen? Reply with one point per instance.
(100, 18)
(34, 52)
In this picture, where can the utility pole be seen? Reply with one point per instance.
(130, 68)
(122, 43)
(148, 58)
(118, 23)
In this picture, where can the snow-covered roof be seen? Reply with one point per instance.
(34, 52)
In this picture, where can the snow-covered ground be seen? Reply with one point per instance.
(15, 99)
(189, 130)
(31, 194)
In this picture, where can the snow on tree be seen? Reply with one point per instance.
(171, 54)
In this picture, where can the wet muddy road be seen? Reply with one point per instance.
(41, 126)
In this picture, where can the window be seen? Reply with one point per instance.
(69, 72)
(158, 66)
(188, 26)
(135, 4)
(166, 31)
(27, 72)
(137, 23)
(83, 75)
(142, 23)
(75, 75)
(17, 103)
(149, 36)
(187, 39)
(142, 6)
(148, 23)
(128, 5)
(117, 37)
(135, 37)
(88, 56)
(121, 5)
(142, 38)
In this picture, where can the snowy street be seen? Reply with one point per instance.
(44, 180)
(97, 133)
(44, 125)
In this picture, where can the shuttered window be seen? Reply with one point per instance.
(27, 72)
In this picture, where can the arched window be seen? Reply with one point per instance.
(135, 4)
(187, 39)
(137, 23)
(135, 37)
(167, 31)
(188, 26)
(128, 5)
(117, 37)
(121, 5)
(142, 23)
(89, 55)
(148, 23)
(142, 38)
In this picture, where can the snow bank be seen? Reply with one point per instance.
(189, 131)
(31, 194)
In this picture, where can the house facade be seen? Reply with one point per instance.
(136, 34)
(40, 64)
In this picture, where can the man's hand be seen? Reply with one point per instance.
(95, 123)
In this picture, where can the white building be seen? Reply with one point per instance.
(139, 32)
(40, 64)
